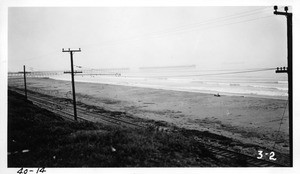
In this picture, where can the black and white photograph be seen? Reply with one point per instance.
(148, 86)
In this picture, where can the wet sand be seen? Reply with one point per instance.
(248, 119)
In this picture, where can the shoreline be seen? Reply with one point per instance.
(248, 119)
(182, 90)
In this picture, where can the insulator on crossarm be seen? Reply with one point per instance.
(286, 9)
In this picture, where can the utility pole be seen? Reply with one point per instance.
(24, 69)
(289, 71)
(24, 74)
(72, 75)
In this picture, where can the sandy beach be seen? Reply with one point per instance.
(247, 119)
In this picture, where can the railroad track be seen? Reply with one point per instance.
(85, 115)
(66, 111)
(243, 159)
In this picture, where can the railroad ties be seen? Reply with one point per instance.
(247, 160)
(65, 111)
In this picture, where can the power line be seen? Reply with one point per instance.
(222, 25)
(212, 74)
(177, 29)
(225, 18)
(43, 56)
(236, 72)
(117, 42)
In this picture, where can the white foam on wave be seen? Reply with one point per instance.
(187, 84)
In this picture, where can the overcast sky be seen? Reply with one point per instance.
(209, 37)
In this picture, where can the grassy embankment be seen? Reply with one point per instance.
(54, 142)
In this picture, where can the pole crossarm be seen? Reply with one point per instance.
(71, 50)
(282, 13)
(282, 70)
(21, 72)
(68, 72)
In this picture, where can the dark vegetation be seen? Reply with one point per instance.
(39, 138)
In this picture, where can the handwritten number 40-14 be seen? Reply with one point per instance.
(271, 157)
(25, 171)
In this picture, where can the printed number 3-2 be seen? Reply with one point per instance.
(271, 157)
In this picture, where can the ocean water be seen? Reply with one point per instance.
(225, 82)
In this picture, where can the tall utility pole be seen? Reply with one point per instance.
(289, 71)
(24, 75)
(25, 81)
(72, 74)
